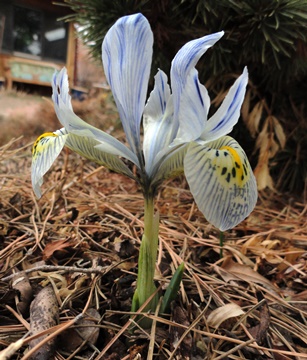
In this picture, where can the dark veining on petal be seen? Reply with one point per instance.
(198, 90)
(231, 110)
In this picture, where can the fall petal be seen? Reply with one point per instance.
(48, 146)
(221, 181)
(91, 149)
(45, 150)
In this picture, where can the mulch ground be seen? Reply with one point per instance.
(81, 241)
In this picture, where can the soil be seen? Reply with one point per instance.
(15, 104)
(19, 115)
(29, 115)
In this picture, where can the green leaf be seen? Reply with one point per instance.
(172, 290)
(135, 302)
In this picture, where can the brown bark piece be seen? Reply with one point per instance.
(44, 313)
(85, 331)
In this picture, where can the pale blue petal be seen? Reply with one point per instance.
(157, 121)
(221, 181)
(126, 56)
(222, 122)
(60, 94)
(185, 60)
(75, 125)
(156, 104)
(194, 107)
(45, 150)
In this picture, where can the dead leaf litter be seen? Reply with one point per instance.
(81, 242)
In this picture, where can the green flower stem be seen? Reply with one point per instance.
(146, 268)
(147, 258)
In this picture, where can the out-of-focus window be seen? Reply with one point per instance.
(27, 31)
(54, 39)
(33, 33)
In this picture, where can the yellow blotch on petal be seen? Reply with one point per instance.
(40, 141)
(239, 170)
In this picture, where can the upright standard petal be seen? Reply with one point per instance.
(157, 121)
(126, 56)
(194, 107)
(221, 181)
(73, 124)
(222, 122)
(184, 61)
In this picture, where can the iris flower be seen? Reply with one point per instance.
(178, 137)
